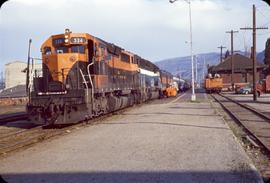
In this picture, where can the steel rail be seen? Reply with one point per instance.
(13, 117)
(241, 122)
(23, 138)
(248, 107)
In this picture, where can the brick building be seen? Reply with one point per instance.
(243, 70)
(267, 52)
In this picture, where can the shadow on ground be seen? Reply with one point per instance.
(166, 124)
(200, 90)
(126, 177)
(167, 113)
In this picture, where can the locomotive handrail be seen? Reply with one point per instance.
(91, 82)
(85, 85)
(90, 79)
(31, 77)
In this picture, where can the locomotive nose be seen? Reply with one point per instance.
(59, 65)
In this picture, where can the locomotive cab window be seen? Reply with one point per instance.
(62, 50)
(125, 57)
(47, 50)
(78, 49)
(102, 50)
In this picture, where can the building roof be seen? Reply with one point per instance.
(241, 63)
(15, 62)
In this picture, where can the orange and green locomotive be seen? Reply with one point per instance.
(84, 76)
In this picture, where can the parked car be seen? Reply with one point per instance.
(245, 90)
(263, 86)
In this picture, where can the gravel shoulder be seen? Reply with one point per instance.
(11, 109)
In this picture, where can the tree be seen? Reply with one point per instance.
(267, 52)
(227, 54)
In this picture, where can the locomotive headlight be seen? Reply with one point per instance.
(66, 36)
(67, 31)
(66, 40)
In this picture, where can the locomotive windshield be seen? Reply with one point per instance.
(62, 50)
(78, 49)
(65, 49)
(62, 45)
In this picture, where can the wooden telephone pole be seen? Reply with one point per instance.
(232, 65)
(254, 28)
(28, 67)
(221, 48)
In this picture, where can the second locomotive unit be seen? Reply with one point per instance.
(84, 76)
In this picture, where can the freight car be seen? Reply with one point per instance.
(84, 76)
(213, 84)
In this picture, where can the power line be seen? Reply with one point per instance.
(261, 34)
(247, 43)
(221, 47)
(232, 65)
(266, 17)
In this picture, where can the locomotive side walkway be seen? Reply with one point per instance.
(176, 141)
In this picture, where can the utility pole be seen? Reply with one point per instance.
(203, 66)
(221, 47)
(232, 65)
(178, 71)
(28, 67)
(254, 28)
(196, 69)
(193, 95)
(1, 80)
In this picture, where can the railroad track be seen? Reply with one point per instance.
(12, 139)
(20, 138)
(256, 124)
(13, 117)
(17, 138)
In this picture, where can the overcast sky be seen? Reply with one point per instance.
(154, 29)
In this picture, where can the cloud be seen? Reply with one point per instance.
(154, 29)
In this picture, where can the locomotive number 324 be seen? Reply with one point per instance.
(77, 40)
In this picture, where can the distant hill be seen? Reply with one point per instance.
(260, 57)
(182, 65)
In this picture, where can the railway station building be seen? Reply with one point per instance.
(243, 70)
